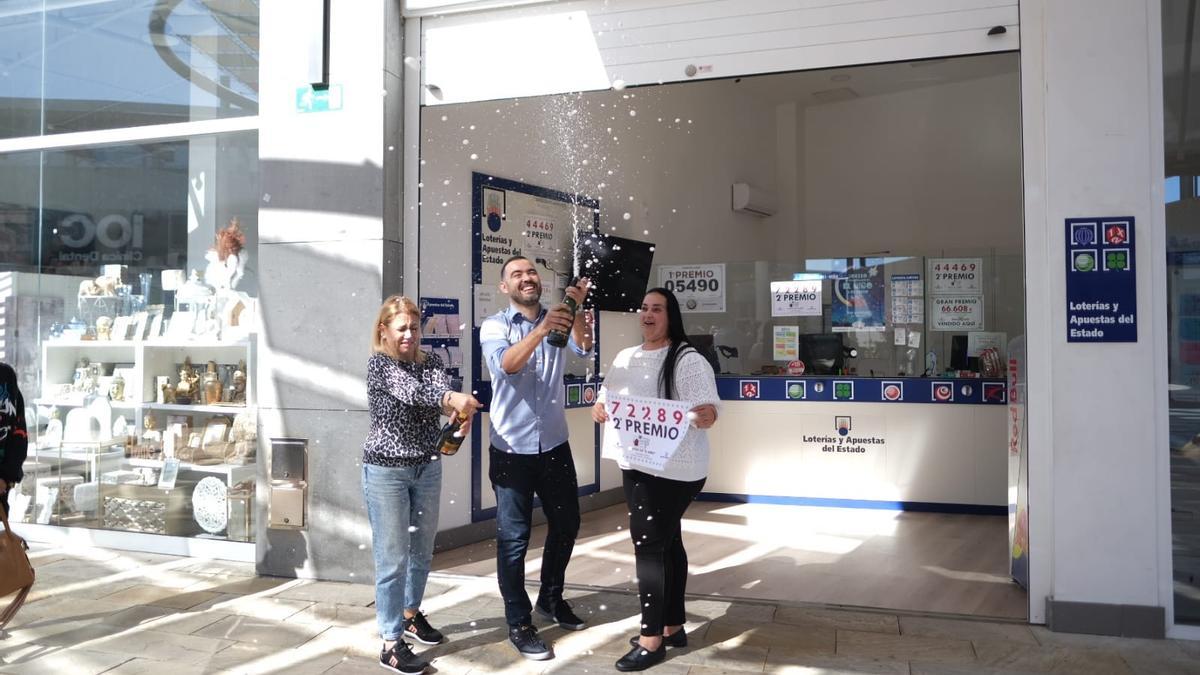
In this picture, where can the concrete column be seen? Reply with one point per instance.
(1092, 133)
(330, 250)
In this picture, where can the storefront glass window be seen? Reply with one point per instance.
(129, 311)
(1181, 132)
(78, 66)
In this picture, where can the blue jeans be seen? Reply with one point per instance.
(402, 505)
(516, 479)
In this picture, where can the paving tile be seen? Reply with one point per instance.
(151, 667)
(263, 607)
(873, 622)
(260, 631)
(186, 623)
(1169, 649)
(947, 669)
(723, 655)
(73, 661)
(965, 629)
(160, 646)
(810, 664)
(329, 614)
(1022, 656)
(131, 617)
(161, 596)
(1149, 664)
(718, 609)
(774, 636)
(238, 585)
(65, 608)
(867, 645)
(331, 592)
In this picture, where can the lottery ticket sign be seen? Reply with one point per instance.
(643, 432)
(1101, 285)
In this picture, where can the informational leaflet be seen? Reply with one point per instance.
(787, 343)
(956, 276)
(699, 288)
(858, 300)
(641, 432)
(956, 314)
(796, 298)
(908, 299)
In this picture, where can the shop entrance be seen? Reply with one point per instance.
(847, 246)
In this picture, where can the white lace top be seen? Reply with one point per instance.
(635, 372)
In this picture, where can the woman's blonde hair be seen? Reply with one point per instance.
(391, 308)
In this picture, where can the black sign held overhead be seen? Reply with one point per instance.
(1101, 285)
(619, 269)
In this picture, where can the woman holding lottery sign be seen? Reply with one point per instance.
(664, 366)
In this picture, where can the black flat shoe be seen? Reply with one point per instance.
(676, 640)
(640, 658)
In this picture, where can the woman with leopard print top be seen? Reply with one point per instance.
(407, 392)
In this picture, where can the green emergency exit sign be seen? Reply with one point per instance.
(318, 100)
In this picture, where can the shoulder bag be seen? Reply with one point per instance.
(16, 572)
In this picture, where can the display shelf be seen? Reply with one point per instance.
(79, 403)
(233, 473)
(216, 409)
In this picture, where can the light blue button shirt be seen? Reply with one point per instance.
(527, 413)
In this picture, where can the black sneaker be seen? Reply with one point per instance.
(418, 628)
(528, 644)
(401, 659)
(562, 615)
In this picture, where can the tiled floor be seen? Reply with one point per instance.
(924, 562)
(99, 611)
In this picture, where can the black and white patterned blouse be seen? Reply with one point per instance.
(406, 405)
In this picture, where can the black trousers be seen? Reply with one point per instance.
(656, 508)
(516, 479)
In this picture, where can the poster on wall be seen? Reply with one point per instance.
(513, 218)
(787, 343)
(956, 276)
(908, 299)
(699, 288)
(958, 314)
(857, 304)
(796, 298)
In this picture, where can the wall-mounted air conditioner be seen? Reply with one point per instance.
(753, 200)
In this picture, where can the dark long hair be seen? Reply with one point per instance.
(679, 340)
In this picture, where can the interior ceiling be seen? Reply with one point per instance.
(815, 87)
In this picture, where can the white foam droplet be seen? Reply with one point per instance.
(626, 215)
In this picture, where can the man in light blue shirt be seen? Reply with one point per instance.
(530, 454)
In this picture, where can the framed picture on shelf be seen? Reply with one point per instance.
(216, 430)
(140, 320)
(156, 322)
(120, 328)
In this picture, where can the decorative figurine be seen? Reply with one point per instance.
(212, 384)
(226, 264)
(237, 390)
(166, 393)
(104, 326)
(116, 389)
(185, 390)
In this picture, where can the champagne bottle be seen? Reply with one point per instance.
(452, 436)
(558, 338)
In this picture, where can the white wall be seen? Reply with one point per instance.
(932, 168)
(1092, 119)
